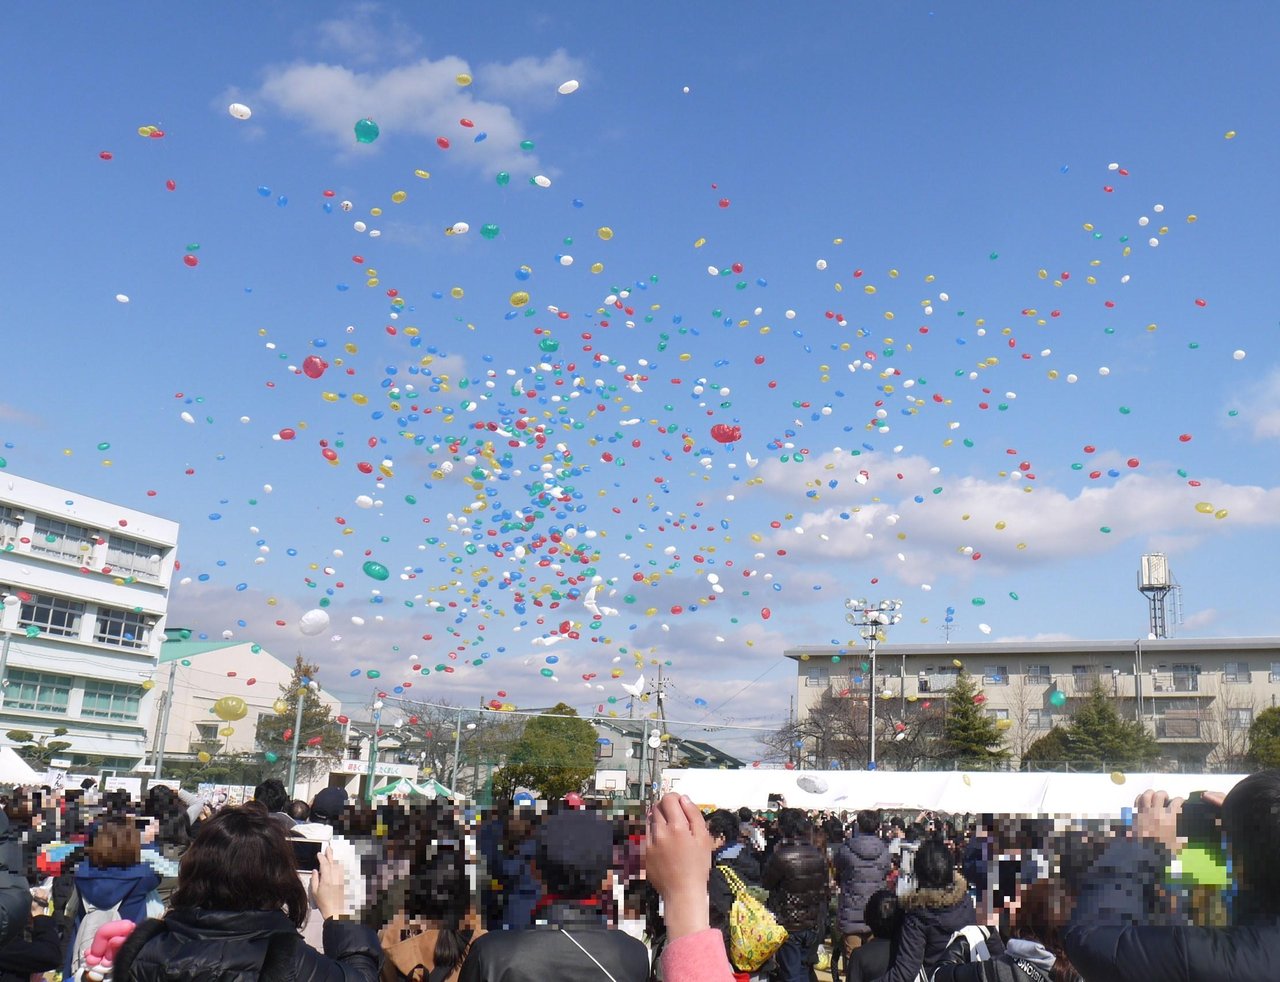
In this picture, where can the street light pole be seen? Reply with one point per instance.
(872, 620)
(457, 748)
(373, 751)
(297, 732)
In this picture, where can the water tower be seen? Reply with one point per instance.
(1155, 580)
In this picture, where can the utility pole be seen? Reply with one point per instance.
(457, 748)
(297, 732)
(373, 750)
(166, 703)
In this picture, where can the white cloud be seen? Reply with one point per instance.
(885, 521)
(370, 33)
(1263, 400)
(415, 102)
(1201, 619)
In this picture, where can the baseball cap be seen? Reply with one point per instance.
(573, 851)
(328, 803)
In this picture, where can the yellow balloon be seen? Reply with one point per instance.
(203, 757)
(605, 232)
(957, 663)
(424, 174)
(519, 298)
(1003, 724)
(227, 732)
(399, 196)
(1204, 507)
(462, 78)
(1117, 777)
(148, 685)
(456, 293)
(280, 706)
(230, 708)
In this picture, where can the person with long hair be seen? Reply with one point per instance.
(237, 911)
(938, 907)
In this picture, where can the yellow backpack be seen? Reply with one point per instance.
(754, 933)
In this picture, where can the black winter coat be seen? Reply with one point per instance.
(796, 878)
(1108, 941)
(551, 951)
(244, 946)
(929, 918)
(20, 959)
(862, 864)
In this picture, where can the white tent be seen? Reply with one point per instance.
(1083, 795)
(16, 771)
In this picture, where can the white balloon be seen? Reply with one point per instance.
(542, 181)
(814, 785)
(364, 501)
(1238, 354)
(122, 298)
(460, 228)
(569, 87)
(313, 622)
(239, 110)
(984, 628)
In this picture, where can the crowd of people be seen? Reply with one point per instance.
(183, 887)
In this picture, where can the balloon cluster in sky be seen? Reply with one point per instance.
(609, 464)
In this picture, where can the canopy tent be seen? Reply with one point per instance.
(953, 792)
(16, 771)
(404, 788)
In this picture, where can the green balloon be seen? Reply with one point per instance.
(503, 179)
(489, 231)
(376, 571)
(271, 758)
(373, 673)
(367, 131)
(549, 344)
(526, 144)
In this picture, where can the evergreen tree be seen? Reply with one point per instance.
(1048, 749)
(968, 733)
(556, 754)
(38, 751)
(1097, 736)
(1264, 739)
(318, 725)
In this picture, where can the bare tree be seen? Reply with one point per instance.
(834, 733)
(1021, 702)
(1226, 725)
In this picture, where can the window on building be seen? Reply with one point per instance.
(110, 700)
(1240, 718)
(1236, 672)
(130, 558)
(1039, 674)
(818, 676)
(604, 749)
(998, 713)
(1275, 671)
(126, 628)
(61, 540)
(1039, 719)
(1186, 678)
(1078, 670)
(51, 615)
(995, 674)
(37, 691)
(9, 525)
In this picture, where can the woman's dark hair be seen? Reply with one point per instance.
(241, 860)
(933, 867)
(882, 913)
(1251, 819)
(792, 823)
(115, 844)
(439, 889)
(723, 823)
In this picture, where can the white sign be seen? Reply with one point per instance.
(409, 771)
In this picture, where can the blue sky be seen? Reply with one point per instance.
(945, 164)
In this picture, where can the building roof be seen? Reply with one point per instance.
(697, 752)
(1064, 647)
(176, 650)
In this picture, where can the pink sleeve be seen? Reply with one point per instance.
(697, 958)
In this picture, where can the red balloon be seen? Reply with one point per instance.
(287, 433)
(315, 741)
(105, 155)
(726, 433)
(287, 734)
(343, 720)
(171, 185)
(466, 122)
(442, 142)
(313, 366)
(191, 260)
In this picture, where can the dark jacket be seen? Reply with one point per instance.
(20, 959)
(127, 886)
(796, 878)
(1111, 935)
(862, 863)
(739, 859)
(548, 951)
(1032, 963)
(870, 961)
(929, 918)
(244, 946)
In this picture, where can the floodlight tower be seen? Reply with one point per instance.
(1155, 580)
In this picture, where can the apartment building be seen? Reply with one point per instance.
(1197, 697)
(85, 586)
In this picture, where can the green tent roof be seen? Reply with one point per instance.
(177, 650)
